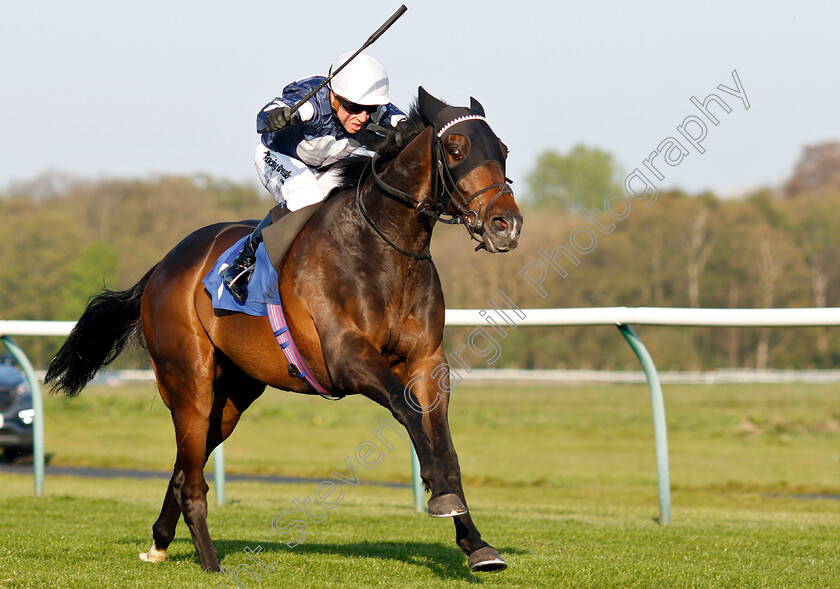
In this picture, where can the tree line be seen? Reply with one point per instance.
(65, 239)
(775, 247)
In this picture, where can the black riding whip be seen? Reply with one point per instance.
(400, 11)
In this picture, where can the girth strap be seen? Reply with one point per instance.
(297, 365)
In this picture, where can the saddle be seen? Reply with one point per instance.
(262, 287)
(278, 237)
(263, 292)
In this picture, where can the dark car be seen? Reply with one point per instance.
(16, 413)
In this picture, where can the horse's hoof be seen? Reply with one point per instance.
(487, 560)
(448, 505)
(153, 555)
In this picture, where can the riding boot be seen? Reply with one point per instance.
(237, 275)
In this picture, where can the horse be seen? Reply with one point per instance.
(363, 301)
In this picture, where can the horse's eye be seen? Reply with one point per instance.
(456, 154)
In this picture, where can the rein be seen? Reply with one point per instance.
(399, 196)
(412, 202)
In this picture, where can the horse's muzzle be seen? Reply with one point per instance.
(501, 232)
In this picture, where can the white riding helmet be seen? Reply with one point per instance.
(364, 80)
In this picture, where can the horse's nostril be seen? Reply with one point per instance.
(500, 224)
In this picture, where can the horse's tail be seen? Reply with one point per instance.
(110, 320)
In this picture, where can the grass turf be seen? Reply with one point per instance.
(561, 480)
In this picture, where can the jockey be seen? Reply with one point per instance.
(297, 152)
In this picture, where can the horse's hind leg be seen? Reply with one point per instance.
(163, 530)
(190, 404)
(233, 393)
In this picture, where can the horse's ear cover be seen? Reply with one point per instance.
(484, 145)
(429, 105)
(476, 106)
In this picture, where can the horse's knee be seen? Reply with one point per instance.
(431, 473)
(453, 473)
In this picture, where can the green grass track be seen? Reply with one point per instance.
(561, 480)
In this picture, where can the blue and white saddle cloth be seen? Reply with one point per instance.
(263, 300)
(262, 288)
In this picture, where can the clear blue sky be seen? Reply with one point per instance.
(128, 89)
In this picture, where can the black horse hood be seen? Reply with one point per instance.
(445, 120)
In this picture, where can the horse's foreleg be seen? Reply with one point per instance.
(482, 556)
(355, 365)
(428, 384)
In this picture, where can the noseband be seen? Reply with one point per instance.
(445, 182)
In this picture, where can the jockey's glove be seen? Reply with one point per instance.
(387, 138)
(279, 117)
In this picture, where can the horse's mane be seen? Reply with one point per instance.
(386, 144)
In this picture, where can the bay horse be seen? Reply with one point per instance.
(363, 302)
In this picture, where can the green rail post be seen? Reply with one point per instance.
(419, 494)
(37, 406)
(660, 431)
(219, 473)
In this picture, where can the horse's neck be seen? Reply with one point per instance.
(399, 219)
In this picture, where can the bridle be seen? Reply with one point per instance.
(446, 184)
(445, 188)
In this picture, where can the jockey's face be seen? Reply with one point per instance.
(352, 116)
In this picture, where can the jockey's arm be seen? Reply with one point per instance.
(277, 114)
(388, 115)
(268, 123)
